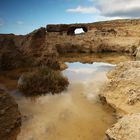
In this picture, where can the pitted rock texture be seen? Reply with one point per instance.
(138, 54)
(29, 49)
(123, 89)
(10, 118)
(108, 36)
(13, 58)
(127, 128)
(122, 92)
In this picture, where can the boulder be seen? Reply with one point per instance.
(10, 118)
(127, 128)
(123, 89)
(12, 59)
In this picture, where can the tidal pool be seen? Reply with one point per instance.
(75, 114)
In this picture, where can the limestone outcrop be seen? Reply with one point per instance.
(31, 50)
(13, 58)
(127, 128)
(108, 36)
(138, 54)
(10, 118)
(123, 93)
(123, 89)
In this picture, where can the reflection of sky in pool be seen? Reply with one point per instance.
(78, 71)
(72, 115)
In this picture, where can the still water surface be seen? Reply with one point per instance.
(75, 114)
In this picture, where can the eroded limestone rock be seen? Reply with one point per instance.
(124, 85)
(13, 58)
(10, 118)
(29, 50)
(108, 36)
(123, 89)
(123, 93)
(127, 128)
(138, 54)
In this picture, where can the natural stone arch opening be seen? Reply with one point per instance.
(79, 31)
(76, 30)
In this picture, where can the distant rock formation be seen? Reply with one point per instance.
(66, 28)
(29, 50)
(108, 36)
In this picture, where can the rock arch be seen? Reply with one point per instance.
(71, 30)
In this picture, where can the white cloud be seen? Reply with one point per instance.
(122, 8)
(82, 70)
(104, 18)
(81, 9)
(20, 22)
(111, 8)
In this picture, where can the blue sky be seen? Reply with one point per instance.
(23, 16)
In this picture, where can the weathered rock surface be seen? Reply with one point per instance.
(127, 128)
(123, 89)
(108, 36)
(116, 36)
(13, 58)
(43, 47)
(9, 117)
(29, 49)
(138, 54)
(123, 93)
(96, 25)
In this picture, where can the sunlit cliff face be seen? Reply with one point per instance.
(73, 115)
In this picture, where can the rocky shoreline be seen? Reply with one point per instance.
(44, 47)
(123, 94)
(10, 117)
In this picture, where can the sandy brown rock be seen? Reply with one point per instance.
(48, 58)
(122, 92)
(138, 54)
(103, 25)
(10, 121)
(123, 89)
(108, 36)
(127, 128)
(31, 50)
(13, 58)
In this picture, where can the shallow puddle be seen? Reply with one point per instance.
(110, 57)
(75, 114)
